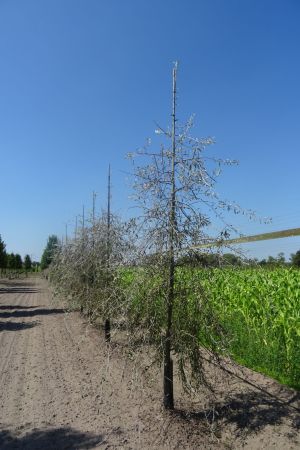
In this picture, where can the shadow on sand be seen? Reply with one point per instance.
(17, 326)
(50, 439)
(250, 412)
(19, 290)
(8, 307)
(30, 312)
(18, 287)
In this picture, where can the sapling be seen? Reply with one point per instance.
(174, 188)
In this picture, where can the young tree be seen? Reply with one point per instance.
(49, 251)
(169, 189)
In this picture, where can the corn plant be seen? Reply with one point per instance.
(260, 309)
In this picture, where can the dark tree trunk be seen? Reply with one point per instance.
(168, 363)
(107, 330)
(168, 377)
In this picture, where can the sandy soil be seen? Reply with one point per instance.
(62, 387)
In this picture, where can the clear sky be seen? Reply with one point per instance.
(83, 81)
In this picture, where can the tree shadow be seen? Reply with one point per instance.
(31, 312)
(7, 282)
(7, 307)
(19, 290)
(250, 412)
(17, 282)
(17, 326)
(18, 287)
(50, 439)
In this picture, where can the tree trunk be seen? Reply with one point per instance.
(107, 330)
(168, 377)
(108, 279)
(168, 363)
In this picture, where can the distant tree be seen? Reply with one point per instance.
(36, 266)
(274, 261)
(295, 259)
(48, 253)
(230, 259)
(3, 255)
(252, 262)
(11, 261)
(271, 260)
(27, 263)
(197, 259)
(18, 262)
(280, 258)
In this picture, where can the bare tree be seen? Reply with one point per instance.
(175, 190)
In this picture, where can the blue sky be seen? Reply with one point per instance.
(82, 83)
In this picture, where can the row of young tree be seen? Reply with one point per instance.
(13, 261)
(130, 275)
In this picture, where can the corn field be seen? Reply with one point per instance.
(260, 311)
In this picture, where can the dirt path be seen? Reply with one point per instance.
(61, 387)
